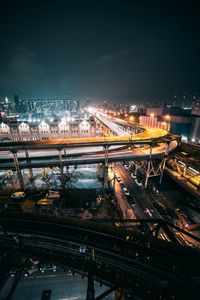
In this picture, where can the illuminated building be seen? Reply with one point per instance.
(47, 129)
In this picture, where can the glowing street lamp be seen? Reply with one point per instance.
(131, 118)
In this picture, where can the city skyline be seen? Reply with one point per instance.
(99, 150)
(117, 51)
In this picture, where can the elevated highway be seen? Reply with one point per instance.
(151, 268)
(90, 156)
(144, 138)
(97, 150)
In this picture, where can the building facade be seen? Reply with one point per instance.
(46, 130)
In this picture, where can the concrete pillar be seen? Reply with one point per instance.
(30, 169)
(61, 166)
(105, 176)
(164, 162)
(90, 287)
(106, 154)
(60, 160)
(148, 167)
(19, 173)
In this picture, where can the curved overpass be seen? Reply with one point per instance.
(88, 157)
(158, 140)
(150, 135)
(119, 257)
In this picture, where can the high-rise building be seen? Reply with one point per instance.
(46, 105)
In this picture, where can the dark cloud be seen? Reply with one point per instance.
(99, 49)
(23, 65)
(22, 71)
(104, 59)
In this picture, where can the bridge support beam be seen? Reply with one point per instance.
(148, 167)
(106, 293)
(151, 167)
(112, 181)
(30, 169)
(105, 176)
(90, 287)
(164, 162)
(19, 173)
(106, 154)
(61, 166)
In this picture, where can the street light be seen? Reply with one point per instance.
(167, 117)
(131, 118)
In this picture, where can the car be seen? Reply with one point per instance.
(43, 268)
(46, 295)
(54, 195)
(122, 184)
(126, 192)
(118, 178)
(138, 183)
(114, 203)
(149, 211)
(133, 176)
(132, 202)
(45, 204)
(18, 195)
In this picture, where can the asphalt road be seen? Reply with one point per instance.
(90, 158)
(63, 287)
(141, 199)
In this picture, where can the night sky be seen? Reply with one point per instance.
(119, 51)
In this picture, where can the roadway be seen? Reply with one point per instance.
(139, 196)
(62, 286)
(90, 157)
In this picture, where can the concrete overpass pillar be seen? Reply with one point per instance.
(30, 169)
(19, 173)
(106, 154)
(164, 162)
(61, 165)
(60, 160)
(105, 176)
(90, 287)
(148, 167)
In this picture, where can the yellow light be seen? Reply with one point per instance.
(167, 117)
(126, 115)
(131, 118)
(152, 115)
